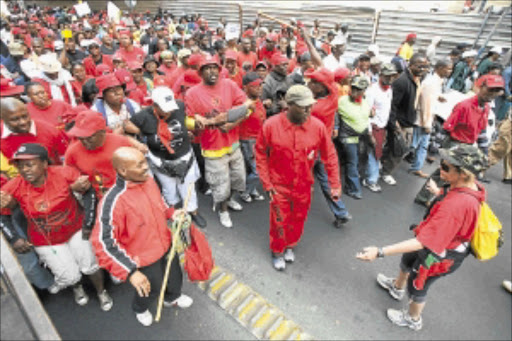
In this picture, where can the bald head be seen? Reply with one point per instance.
(130, 164)
(15, 115)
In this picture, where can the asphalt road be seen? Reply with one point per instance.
(326, 291)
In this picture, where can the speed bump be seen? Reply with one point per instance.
(250, 309)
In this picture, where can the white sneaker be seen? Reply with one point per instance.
(183, 302)
(54, 288)
(403, 319)
(145, 318)
(208, 192)
(389, 180)
(372, 187)
(225, 219)
(289, 256)
(81, 297)
(508, 286)
(234, 205)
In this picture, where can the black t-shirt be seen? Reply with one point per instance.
(146, 121)
(77, 56)
(108, 51)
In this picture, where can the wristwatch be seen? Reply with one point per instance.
(380, 253)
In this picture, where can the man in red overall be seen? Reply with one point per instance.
(285, 151)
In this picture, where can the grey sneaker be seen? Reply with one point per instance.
(81, 297)
(372, 187)
(389, 284)
(279, 263)
(403, 319)
(246, 197)
(106, 301)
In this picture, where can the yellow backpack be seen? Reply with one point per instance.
(488, 235)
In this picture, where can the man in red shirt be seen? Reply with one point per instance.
(127, 51)
(286, 151)
(465, 123)
(96, 58)
(92, 152)
(269, 49)
(246, 58)
(234, 72)
(224, 163)
(249, 131)
(183, 56)
(58, 228)
(42, 108)
(17, 127)
(131, 238)
(322, 84)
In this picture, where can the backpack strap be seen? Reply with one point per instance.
(130, 107)
(100, 105)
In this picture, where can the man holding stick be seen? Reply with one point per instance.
(131, 237)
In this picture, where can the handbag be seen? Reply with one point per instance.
(398, 145)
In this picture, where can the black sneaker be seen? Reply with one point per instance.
(340, 221)
(507, 181)
(198, 220)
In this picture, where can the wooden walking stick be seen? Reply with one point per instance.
(269, 17)
(171, 255)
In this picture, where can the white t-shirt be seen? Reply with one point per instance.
(380, 100)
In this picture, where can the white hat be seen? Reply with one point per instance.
(497, 49)
(49, 63)
(339, 40)
(470, 54)
(231, 35)
(58, 45)
(164, 98)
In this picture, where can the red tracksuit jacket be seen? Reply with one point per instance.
(131, 228)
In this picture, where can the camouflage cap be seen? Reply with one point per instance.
(467, 157)
(360, 82)
(388, 69)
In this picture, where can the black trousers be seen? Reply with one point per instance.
(155, 274)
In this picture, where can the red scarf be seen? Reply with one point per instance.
(164, 134)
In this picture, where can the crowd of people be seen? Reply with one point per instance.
(106, 125)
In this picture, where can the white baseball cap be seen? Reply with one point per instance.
(164, 98)
(497, 49)
(470, 54)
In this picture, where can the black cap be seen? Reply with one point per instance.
(28, 151)
(150, 58)
(251, 77)
(364, 57)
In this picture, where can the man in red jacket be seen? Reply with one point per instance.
(131, 237)
(285, 152)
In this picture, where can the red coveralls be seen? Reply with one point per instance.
(285, 154)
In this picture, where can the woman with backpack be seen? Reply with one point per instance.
(442, 239)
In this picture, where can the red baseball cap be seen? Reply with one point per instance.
(321, 75)
(491, 81)
(341, 73)
(125, 78)
(411, 36)
(248, 33)
(208, 61)
(87, 123)
(195, 59)
(230, 54)
(278, 58)
(9, 88)
(191, 78)
(106, 82)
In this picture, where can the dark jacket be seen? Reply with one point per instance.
(402, 105)
(274, 88)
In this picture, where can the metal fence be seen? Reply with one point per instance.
(390, 29)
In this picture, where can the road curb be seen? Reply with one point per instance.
(261, 318)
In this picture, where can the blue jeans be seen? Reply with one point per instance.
(372, 168)
(352, 183)
(336, 207)
(420, 141)
(252, 177)
(35, 273)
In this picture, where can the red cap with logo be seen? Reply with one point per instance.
(9, 88)
(208, 61)
(278, 58)
(87, 123)
(491, 81)
(125, 77)
(321, 75)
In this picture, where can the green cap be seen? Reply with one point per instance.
(466, 156)
(360, 82)
(388, 69)
(300, 95)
